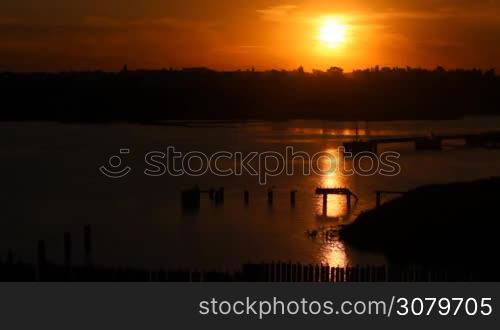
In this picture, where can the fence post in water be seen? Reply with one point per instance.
(284, 274)
(41, 253)
(221, 192)
(191, 198)
(219, 196)
(325, 204)
(278, 271)
(272, 273)
(246, 197)
(41, 259)
(270, 196)
(292, 197)
(68, 247)
(316, 273)
(87, 245)
(10, 257)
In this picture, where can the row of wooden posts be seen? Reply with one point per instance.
(68, 249)
(45, 270)
(191, 198)
(263, 272)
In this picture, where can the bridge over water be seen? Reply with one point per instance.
(433, 142)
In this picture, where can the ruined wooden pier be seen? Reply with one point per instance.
(336, 191)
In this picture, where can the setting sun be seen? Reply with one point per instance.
(332, 33)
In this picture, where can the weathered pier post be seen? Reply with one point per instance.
(325, 204)
(191, 199)
(68, 249)
(10, 257)
(87, 245)
(270, 196)
(293, 194)
(41, 253)
(41, 260)
(246, 197)
(219, 196)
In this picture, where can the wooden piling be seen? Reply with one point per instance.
(246, 197)
(219, 196)
(270, 197)
(87, 245)
(41, 253)
(10, 257)
(293, 194)
(191, 199)
(68, 249)
(41, 260)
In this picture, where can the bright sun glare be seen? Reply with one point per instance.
(332, 33)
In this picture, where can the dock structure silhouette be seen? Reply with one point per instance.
(191, 197)
(336, 191)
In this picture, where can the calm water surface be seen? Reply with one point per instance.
(51, 184)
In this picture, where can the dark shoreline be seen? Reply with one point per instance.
(452, 223)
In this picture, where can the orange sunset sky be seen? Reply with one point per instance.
(54, 35)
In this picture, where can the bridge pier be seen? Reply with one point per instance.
(325, 204)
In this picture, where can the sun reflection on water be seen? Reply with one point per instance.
(331, 178)
(335, 254)
(334, 251)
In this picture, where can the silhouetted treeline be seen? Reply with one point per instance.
(200, 93)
